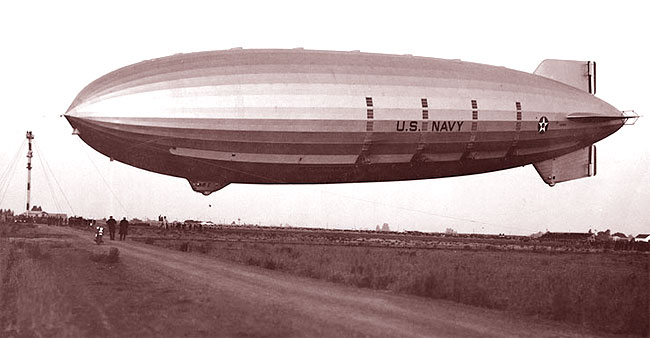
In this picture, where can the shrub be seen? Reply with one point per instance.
(113, 255)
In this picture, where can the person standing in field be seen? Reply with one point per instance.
(124, 228)
(111, 227)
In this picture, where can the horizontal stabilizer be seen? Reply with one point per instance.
(578, 74)
(628, 117)
(578, 164)
(582, 116)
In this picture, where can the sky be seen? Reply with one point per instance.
(52, 50)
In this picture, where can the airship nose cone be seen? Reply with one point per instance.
(73, 122)
(71, 119)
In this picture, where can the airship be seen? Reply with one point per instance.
(296, 116)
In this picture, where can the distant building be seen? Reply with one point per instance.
(619, 236)
(642, 238)
(39, 216)
(568, 236)
(604, 236)
(44, 214)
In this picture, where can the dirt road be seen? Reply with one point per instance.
(153, 292)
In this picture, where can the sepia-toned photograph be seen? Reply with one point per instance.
(324, 169)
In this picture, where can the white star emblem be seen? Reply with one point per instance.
(542, 126)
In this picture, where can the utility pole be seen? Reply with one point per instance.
(30, 137)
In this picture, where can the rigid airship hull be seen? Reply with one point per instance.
(296, 116)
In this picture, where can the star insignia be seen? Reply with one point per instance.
(542, 125)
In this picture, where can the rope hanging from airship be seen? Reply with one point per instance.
(108, 186)
(49, 184)
(47, 168)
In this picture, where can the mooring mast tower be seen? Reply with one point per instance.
(30, 137)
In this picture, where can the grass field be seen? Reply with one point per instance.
(603, 291)
(29, 289)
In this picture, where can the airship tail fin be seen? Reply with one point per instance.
(578, 164)
(578, 74)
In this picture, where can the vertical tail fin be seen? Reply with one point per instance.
(578, 74)
(578, 164)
